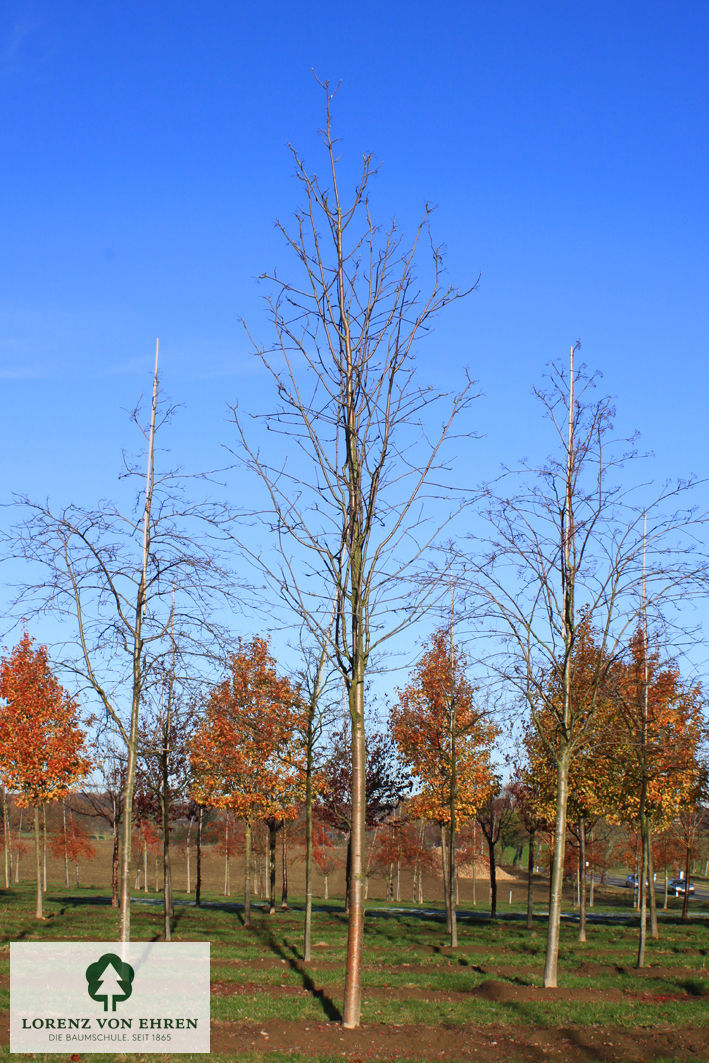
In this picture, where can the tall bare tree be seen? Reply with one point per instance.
(358, 450)
(109, 574)
(566, 549)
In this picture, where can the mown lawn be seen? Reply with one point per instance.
(484, 996)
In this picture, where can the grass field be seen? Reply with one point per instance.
(422, 1001)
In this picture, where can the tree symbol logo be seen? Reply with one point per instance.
(110, 980)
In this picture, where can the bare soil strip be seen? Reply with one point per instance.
(502, 1044)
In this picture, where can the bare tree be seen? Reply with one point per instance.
(566, 549)
(358, 450)
(110, 574)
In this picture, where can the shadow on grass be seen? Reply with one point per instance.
(292, 957)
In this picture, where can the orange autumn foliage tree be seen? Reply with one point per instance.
(589, 774)
(72, 842)
(656, 755)
(42, 753)
(247, 754)
(445, 741)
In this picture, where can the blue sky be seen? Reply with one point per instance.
(145, 161)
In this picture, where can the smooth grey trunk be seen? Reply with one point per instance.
(247, 873)
(493, 876)
(168, 909)
(568, 623)
(355, 930)
(643, 885)
(166, 868)
(66, 847)
(685, 898)
(551, 964)
(284, 866)
(272, 829)
(654, 928)
(530, 881)
(309, 765)
(582, 879)
(7, 837)
(198, 876)
(44, 848)
(644, 823)
(188, 869)
(308, 919)
(453, 792)
(38, 864)
(227, 887)
(18, 852)
(446, 880)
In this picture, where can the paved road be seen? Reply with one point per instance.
(701, 893)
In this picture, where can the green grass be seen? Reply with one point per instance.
(408, 965)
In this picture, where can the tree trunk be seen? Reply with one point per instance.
(452, 880)
(355, 932)
(654, 928)
(44, 848)
(114, 862)
(39, 913)
(247, 873)
(272, 829)
(530, 881)
(685, 899)
(582, 879)
(493, 878)
(308, 918)
(19, 847)
(284, 866)
(166, 869)
(227, 889)
(6, 836)
(446, 880)
(326, 894)
(187, 856)
(551, 963)
(198, 877)
(66, 847)
(348, 873)
(145, 865)
(643, 886)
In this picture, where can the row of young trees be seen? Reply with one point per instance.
(255, 754)
(352, 498)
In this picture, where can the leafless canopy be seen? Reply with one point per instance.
(355, 482)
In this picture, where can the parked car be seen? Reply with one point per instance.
(679, 885)
(633, 880)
